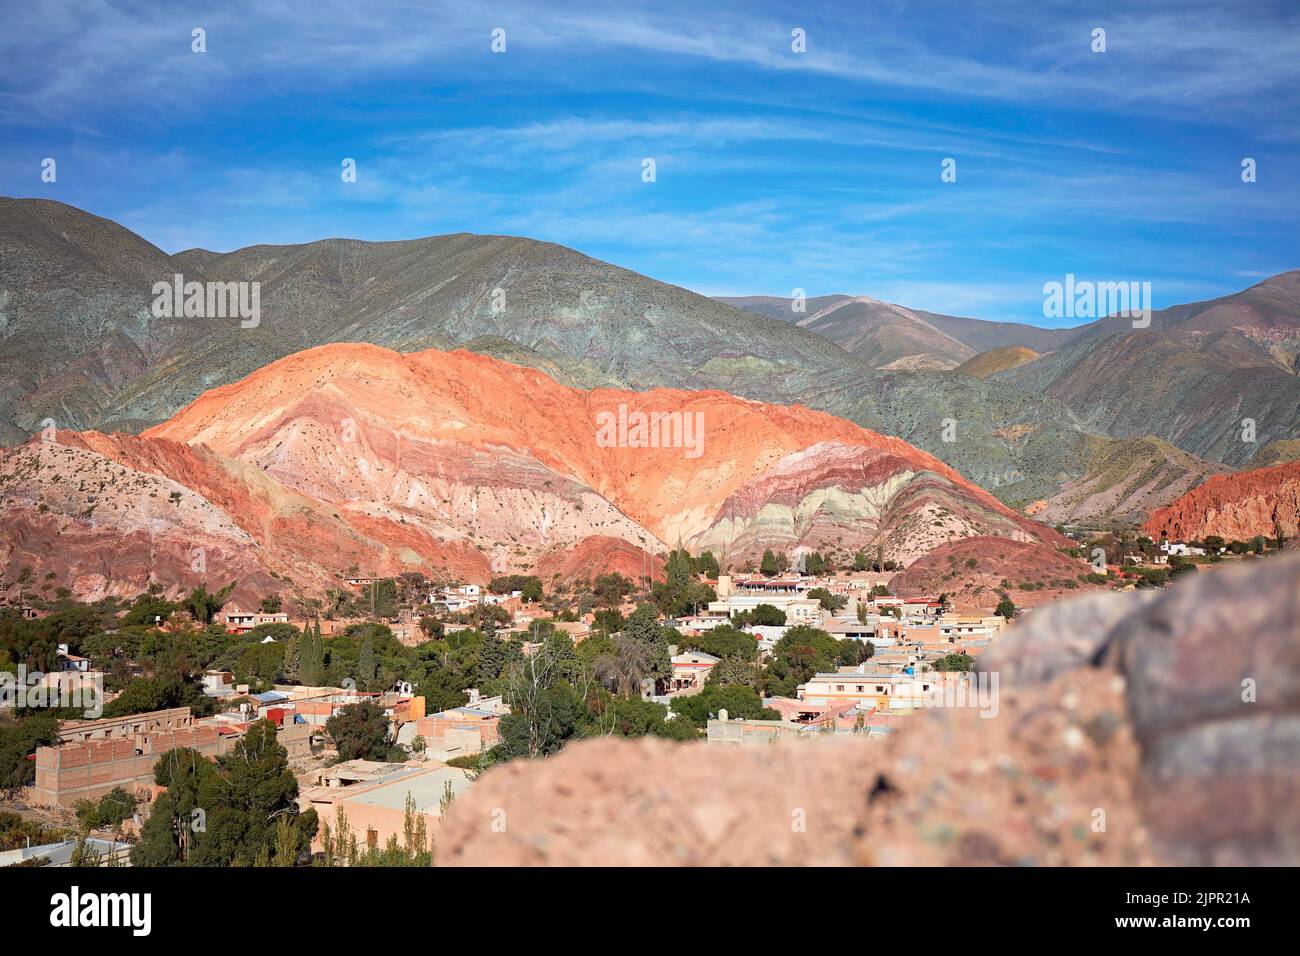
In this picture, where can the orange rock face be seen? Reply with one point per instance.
(451, 462)
(1235, 507)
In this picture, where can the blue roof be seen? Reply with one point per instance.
(270, 697)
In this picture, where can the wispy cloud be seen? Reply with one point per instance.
(775, 169)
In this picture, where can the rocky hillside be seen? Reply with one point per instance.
(974, 571)
(79, 345)
(886, 335)
(1264, 501)
(75, 292)
(356, 455)
(996, 360)
(1194, 390)
(1276, 453)
(1126, 479)
(1088, 718)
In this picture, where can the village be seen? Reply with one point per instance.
(850, 659)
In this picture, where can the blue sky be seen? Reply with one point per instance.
(775, 170)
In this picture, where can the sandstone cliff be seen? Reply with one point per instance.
(1234, 507)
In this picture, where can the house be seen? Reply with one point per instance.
(108, 852)
(373, 798)
(691, 669)
(95, 756)
(881, 690)
(693, 625)
(797, 609)
(218, 683)
(578, 631)
(241, 622)
(1180, 548)
(71, 662)
(459, 731)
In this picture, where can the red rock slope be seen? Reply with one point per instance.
(949, 570)
(1235, 507)
(354, 455)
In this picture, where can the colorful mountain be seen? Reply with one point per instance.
(1263, 501)
(354, 455)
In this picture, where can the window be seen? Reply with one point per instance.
(372, 838)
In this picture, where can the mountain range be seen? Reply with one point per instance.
(352, 457)
(1102, 422)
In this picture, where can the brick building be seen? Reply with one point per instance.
(89, 767)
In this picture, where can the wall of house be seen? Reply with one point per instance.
(87, 771)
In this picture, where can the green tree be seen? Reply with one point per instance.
(954, 662)
(108, 811)
(18, 741)
(830, 602)
(738, 701)
(366, 664)
(1006, 608)
(203, 607)
(227, 812)
(360, 732)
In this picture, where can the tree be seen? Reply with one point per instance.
(954, 662)
(366, 664)
(160, 693)
(545, 710)
(203, 607)
(18, 741)
(218, 814)
(724, 641)
(830, 602)
(736, 700)
(532, 591)
(800, 653)
(768, 565)
(272, 604)
(708, 565)
(1006, 608)
(360, 732)
(108, 811)
(641, 652)
(734, 670)
(764, 614)
(311, 662)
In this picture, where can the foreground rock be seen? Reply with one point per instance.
(1123, 735)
